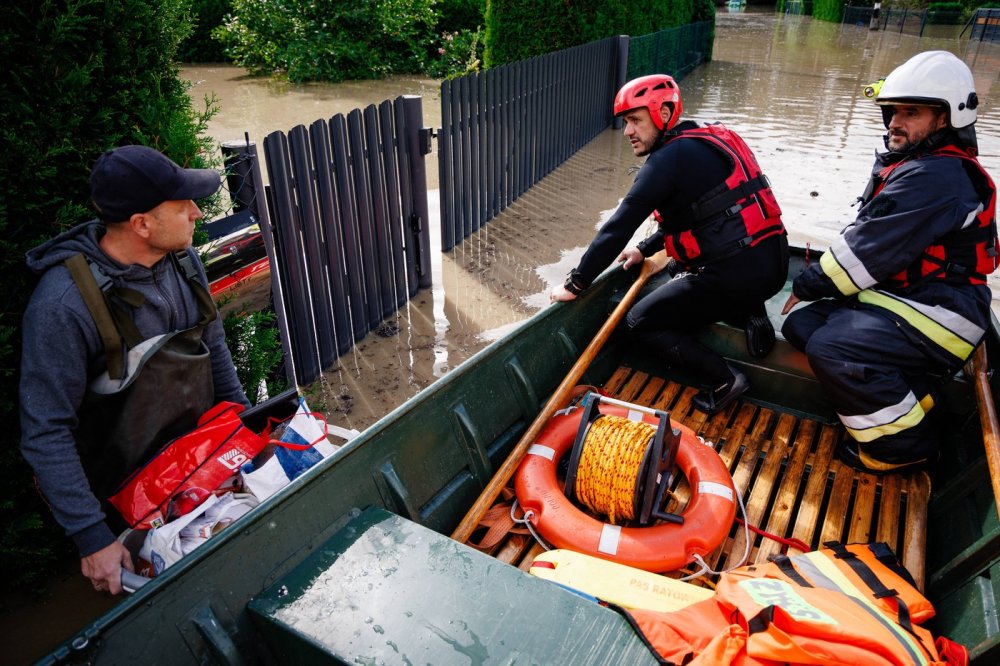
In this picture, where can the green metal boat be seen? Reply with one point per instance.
(353, 564)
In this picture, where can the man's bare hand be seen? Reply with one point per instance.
(104, 568)
(630, 256)
(792, 301)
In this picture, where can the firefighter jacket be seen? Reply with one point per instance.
(919, 251)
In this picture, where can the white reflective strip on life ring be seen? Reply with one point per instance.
(713, 488)
(634, 415)
(542, 450)
(610, 534)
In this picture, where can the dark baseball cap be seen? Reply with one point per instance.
(135, 179)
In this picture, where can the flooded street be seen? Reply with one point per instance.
(789, 85)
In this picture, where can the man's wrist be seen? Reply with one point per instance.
(573, 284)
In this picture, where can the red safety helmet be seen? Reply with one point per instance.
(652, 92)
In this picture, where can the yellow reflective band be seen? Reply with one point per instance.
(937, 333)
(833, 270)
(837, 577)
(907, 420)
(871, 463)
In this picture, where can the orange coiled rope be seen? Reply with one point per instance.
(610, 463)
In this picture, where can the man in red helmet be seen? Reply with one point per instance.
(718, 221)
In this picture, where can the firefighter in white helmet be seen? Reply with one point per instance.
(900, 300)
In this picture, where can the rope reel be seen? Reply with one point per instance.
(621, 467)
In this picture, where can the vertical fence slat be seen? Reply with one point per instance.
(409, 132)
(348, 226)
(312, 245)
(394, 218)
(362, 206)
(295, 285)
(446, 169)
(381, 259)
(319, 135)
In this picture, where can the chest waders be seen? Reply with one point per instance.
(152, 391)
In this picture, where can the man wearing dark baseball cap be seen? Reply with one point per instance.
(136, 179)
(123, 346)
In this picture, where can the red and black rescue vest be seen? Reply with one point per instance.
(968, 254)
(738, 213)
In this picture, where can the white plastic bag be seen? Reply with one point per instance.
(302, 430)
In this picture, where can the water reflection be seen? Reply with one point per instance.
(790, 85)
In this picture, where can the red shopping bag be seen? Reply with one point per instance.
(203, 458)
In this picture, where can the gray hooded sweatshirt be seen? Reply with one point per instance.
(63, 352)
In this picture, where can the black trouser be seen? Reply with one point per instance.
(668, 319)
(877, 376)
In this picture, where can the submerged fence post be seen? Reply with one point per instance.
(418, 144)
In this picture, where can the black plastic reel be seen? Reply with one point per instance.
(655, 472)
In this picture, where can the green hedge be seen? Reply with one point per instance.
(80, 76)
(945, 13)
(520, 29)
(828, 10)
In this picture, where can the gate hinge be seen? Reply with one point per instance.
(427, 135)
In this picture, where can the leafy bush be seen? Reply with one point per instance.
(329, 40)
(828, 10)
(945, 13)
(460, 53)
(81, 76)
(253, 339)
(200, 46)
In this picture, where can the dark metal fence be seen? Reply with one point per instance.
(505, 129)
(675, 51)
(985, 24)
(347, 231)
(345, 224)
(909, 21)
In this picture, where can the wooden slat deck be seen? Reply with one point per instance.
(792, 485)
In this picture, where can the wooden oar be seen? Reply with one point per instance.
(987, 419)
(502, 476)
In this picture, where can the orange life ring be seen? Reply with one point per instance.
(665, 547)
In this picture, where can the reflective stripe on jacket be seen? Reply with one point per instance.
(919, 251)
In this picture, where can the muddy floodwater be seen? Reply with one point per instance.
(789, 85)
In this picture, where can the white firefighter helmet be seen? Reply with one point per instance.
(933, 77)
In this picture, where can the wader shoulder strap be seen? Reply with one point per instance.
(206, 306)
(89, 283)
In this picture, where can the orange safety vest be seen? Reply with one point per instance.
(971, 253)
(840, 605)
(739, 213)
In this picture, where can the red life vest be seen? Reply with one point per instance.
(969, 254)
(739, 213)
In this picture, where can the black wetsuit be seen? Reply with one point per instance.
(676, 174)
